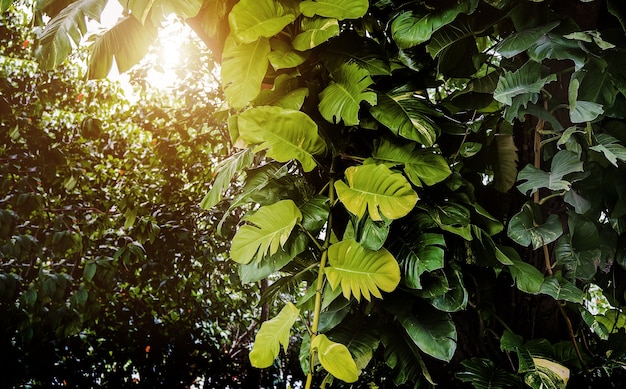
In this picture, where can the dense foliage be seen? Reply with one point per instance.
(443, 178)
(110, 272)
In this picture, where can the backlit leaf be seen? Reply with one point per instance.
(335, 358)
(315, 31)
(285, 134)
(360, 271)
(251, 19)
(226, 170)
(272, 335)
(378, 190)
(337, 9)
(268, 230)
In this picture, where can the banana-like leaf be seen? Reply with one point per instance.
(410, 29)
(337, 9)
(378, 190)
(65, 30)
(522, 82)
(483, 374)
(251, 19)
(226, 170)
(269, 230)
(243, 69)
(284, 56)
(404, 114)
(523, 40)
(360, 271)
(563, 163)
(342, 97)
(272, 335)
(315, 31)
(286, 134)
(335, 358)
(420, 166)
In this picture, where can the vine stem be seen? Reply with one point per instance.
(320, 276)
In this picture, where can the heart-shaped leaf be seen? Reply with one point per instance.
(251, 19)
(315, 31)
(377, 189)
(360, 271)
(335, 358)
(272, 335)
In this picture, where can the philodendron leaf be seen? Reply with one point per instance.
(337, 9)
(404, 114)
(563, 163)
(377, 189)
(268, 230)
(315, 31)
(226, 170)
(272, 335)
(360, 271)
(243, 69)
(410, 29)
(421, 166)
(341, 99)
(521, 41)
(581, 111)
(610, 148)
(335, 358)
(561, 289)
(526, 230)
(524, 81)
(251, 19)
(286, 134)
(527, 277)
(284, 56)
(432, 331)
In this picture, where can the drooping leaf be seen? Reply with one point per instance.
(410, 29)
(335, 358)
(581, 111)
(432, 331)
(226, 170)
(563, 163)
(579, 252)
(378, 190)
(65, 30)
(161, 9)
(515, 343)
(272, 335)
(505, 164)
(269, 264)
(555, 46)
(342, 98)
(243, 68)
(527, 277)
(403, 357)
(610, 148)
(404, 114)
(521, 82)
(360, 271)
(285, 134)
(483, 374)
(421, 166)
(315, 31)
(268, 230)
(525, 229)
(252, 19)
(561, 289)
(337, 9)
(523, 40)
(448, 36)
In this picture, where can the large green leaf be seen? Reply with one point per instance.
(421, 166)
(270, 228)
(360, 335)
(416, 249)
(527, 277)
(563, 163)
(561, 289)
(128, 41)
(555, 46)
(251, 19)
(226, 170)
(448, 36)
(243, 69)
(285, 93)
(337, 9)
(452, 217)
(272, 335)
(403, 357)
(315, 31)
(335, 358)
(341, 99)
(456, 298)
(579, 252)
(432, 331)
(284, 56)
(403, 112)
(523, 40)
(378, 190)
(65, 30)
(610, 148)
(360, 271)
(410, 29)
(525, 229)
(522, 82)
(482, 373)
(581, 111)
(286, 134)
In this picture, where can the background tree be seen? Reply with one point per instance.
(110, 272)
(443, 177)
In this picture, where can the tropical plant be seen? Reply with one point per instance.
(458, 164)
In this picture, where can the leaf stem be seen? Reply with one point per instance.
(320, 276)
